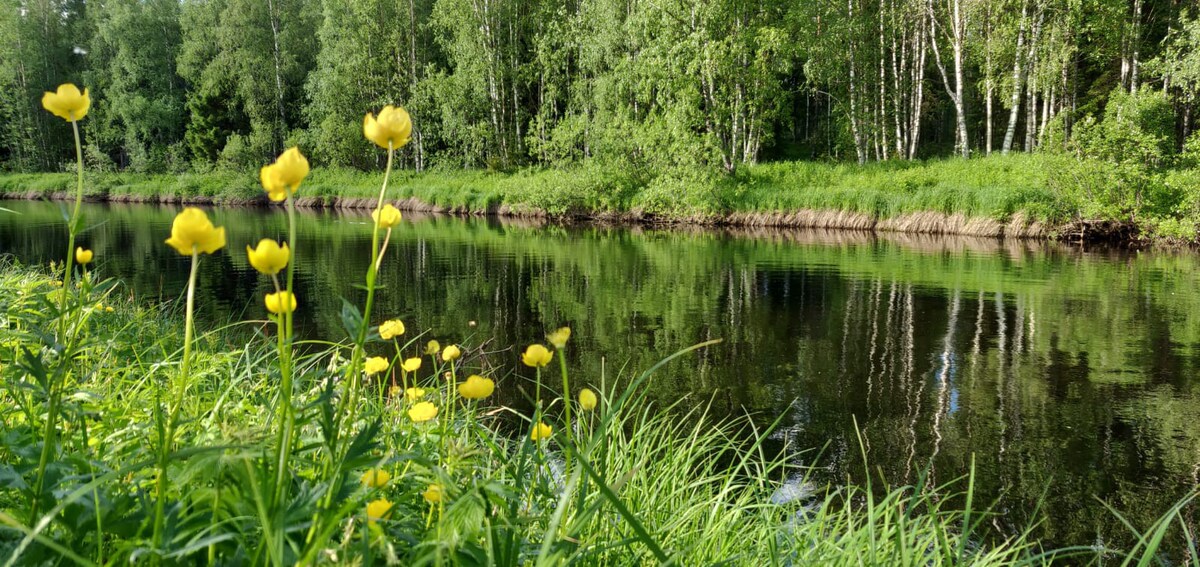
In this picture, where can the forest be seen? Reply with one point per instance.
(199, 84)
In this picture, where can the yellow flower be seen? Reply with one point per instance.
(281, 302)
(587, 399)
(289, 169)
(433, 494)
(451, 353)
(411, 364)
(393, 126)
(476, 388)
(559, 337)
(192, 232)
(108, 309)
(414, 394)
(387, 217)
(422, 411)
(67, 102)
(376, 478)
(375, 365)
(536, 355)
(391, 328)
(432, 348)
(378, 510)
(83, 255)
(269, 257)
(541, 431)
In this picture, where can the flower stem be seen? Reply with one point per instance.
(286, 411)
(354, 371)
(562, 364)
(54, 390)
(164, 450)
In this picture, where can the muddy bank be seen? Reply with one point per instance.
(928, 222)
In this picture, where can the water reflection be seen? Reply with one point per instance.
(1063, 374)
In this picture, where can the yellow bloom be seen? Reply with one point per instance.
(192, 232)
(289, 169)
(387, 217)
(536, 355)
(67, 102)
(378, 510)
(587, 399)
(375, 365)
(433, 494)
(376, 478)
(451, 353)
(391, 328)
(108, 309)
(269, 257)
(393, 125)
(414, 394)
(559, 337)
(476, 388)
(422, 411)
(432, 347)
(411, 364)
(541, 431)
(281, 302)
(83, 255)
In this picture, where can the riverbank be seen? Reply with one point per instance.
(994, 197)
(1024, 196)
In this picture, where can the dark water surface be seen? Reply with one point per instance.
(1066, 375)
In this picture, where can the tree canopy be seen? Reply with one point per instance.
(196, 84)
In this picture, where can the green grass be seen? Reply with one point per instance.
(649, 482)
(995, 187)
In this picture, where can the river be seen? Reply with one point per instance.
(1067, 375)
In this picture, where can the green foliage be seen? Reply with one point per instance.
(1122, 159)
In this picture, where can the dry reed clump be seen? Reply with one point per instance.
(805, 218)
(929, 222)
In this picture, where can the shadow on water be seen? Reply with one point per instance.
(1068, 373)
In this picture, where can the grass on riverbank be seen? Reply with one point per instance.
(995, 188)
(655, 486)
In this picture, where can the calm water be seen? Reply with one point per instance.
(1066, 374)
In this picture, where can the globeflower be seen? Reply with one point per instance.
(393, 127)
(411, 364)
(268, 257)
(281, 302)
(536, 356)
(375, 365)
(476, 388)
(422, 411)
(67, 102)
(83, 255)
(433, 494)
(559, 337)
(378, 510)
(432, 348)
(391, 328)
(376, 478)
(451, 353)
(414, 394)
(289, 169)
(541, 431)
(192, 232)
(387, 217)
(587, 399)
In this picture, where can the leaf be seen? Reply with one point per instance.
(352, 319)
